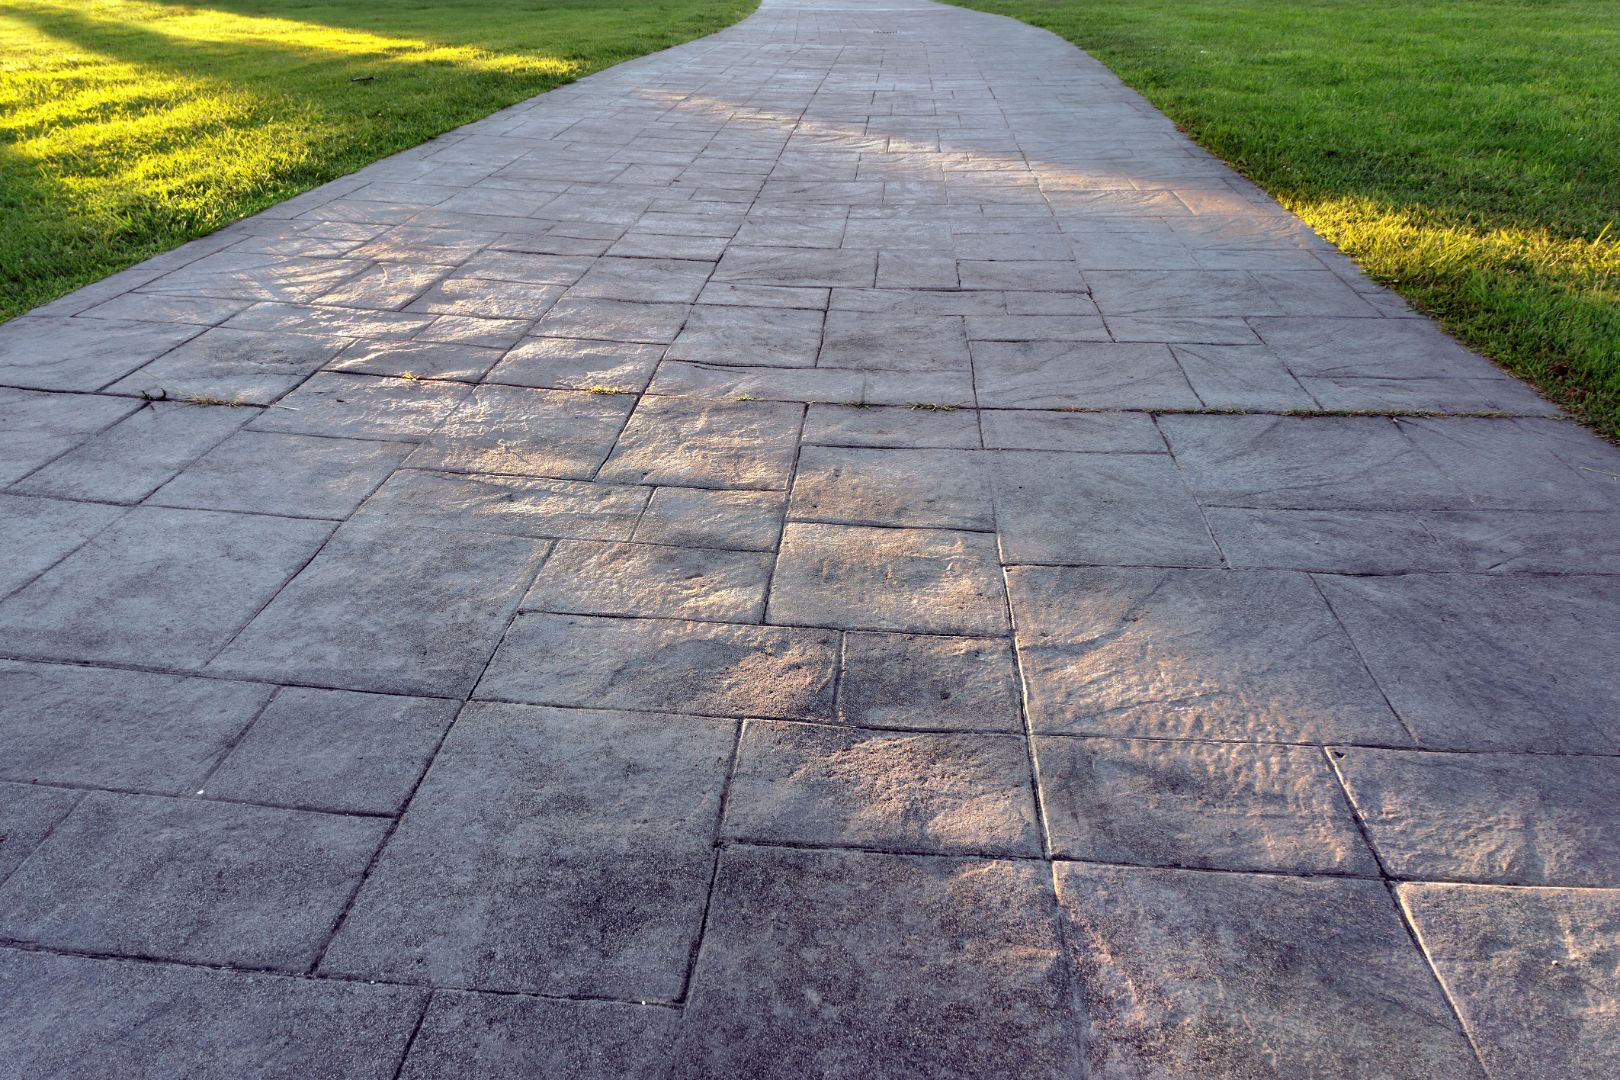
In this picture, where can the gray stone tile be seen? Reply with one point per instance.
(898, 948)
(1530, 971)
(73, 1015)
(1021, 429)
(249, 276)
(692, 442)
(588, 578)
(1511, 819)
(928, 681)
(749, 336)
(796, 267)
(663, 664)
(35, 427)
(516, 431)
(1333, 541)
(663, 281)
(516, 505)
(1062, 375)
(1382, 348)
(386, 286)
(1191, 973)
(1226, 292)
(842, 386)
(929, 580)
(187, 879)
(575, 364)
(391, 608)
(1504, 464)
(892, 426)
(1039, 274)
(1170, 329)
(883, 341)
(1402, 395)
(613, 320)
(158, 587)
(1096, 509)
(417, 359)
(27, 814)
(475, 330)
(1241, 377)
(293, 475)
(134, 457)
(600, 889)
(1528, 541)
(1218, 806)
(526, 267)
(925, 793)
(945, 489)
(486, 299)
(81, 354)
(38, 532)
(334, 750)
(1251, 656)
(1037, 327)
(144, 307)
(233, 365)
(1452, 653)
(364, 407)
(510, 1037)
(335, 321)
(701, 517)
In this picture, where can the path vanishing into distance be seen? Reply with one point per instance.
(848, 548)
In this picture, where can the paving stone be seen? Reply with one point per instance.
(613, 320)
(700, 517)
(386, 286)
(586, 578)
(929, 681)
(36, 428)
(335, 321)
(575, 364)
(163, 587)
(1528, 541)
(1334, 541)
(601, 889)
(1387, 348)
(890, 949)
(873, 341)
(73, 1015)
(233, 365)
(750, 336)
(1219, 806)
(389, 608)
(27, 814)
(1249, 656)
(1094, 509)
(1530, 971)
(1241, 377)
(516, 505)
(334, 750)
(528, 268)
(417, 359)
(143, 307)
(1499, 464)
(1512, 819)
(291, 475)
(796, 267)
(845, 386)
(81, 354)
(1498, 395)
(475, 330)
(1226, 292)
(1056, 375)
(1037, 327)
(929, 580)
(656, 280)
(1191, 973)
(487, 299)
(38, 532)
(662, 664)
(688, 441)
(342, 405)
(516, 431)
(185, 879)
(890, 426)
(1120, 433)
(775, 296)
(1169, 329)
(1451, 653)
(946, 489)
(249, 276)
(510, 1037)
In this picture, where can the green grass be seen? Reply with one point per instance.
(1465, 152)
(130, 126)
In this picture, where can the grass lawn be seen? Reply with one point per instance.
(129, 126)
(1465, 152)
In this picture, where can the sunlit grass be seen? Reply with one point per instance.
(1466, 153)
(129, 126)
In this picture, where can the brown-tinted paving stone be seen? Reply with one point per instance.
(892, 952)
(1252, 656)
(576, 364)
(929, 681)
(1454, 655)
(522, 432)
(693, 442)
(1514, 819)
(1121, 433)
(931, 580)
(511, 1037)
(27, 813)
(334, 750)
(665, 664)
(701, 517)
(1191, 973)
(840, 787)
(1531, 972)
(35, 427)
(587, 578)
(295, 475)
(421, 359)
(364, 407)
(546, 850)
(124, 729)
(38, 532)
(161, 587)
(518, 505)
(233, 365)
(945, 489)
(73, 1015)
(188, 879)
(390, 607)
(1227, 806)
(81, 354)
(1048, 375)
(892, 426)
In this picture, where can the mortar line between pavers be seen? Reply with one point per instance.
(1428, 962)
(416, 1029)
(74, 550)
(787, 517)
(288, 580)
(1362, 660)
(96, 434)
(717, 843)
(1192, 493)
(230, 747)
(41, 842)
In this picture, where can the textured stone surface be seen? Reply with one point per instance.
(695, 443)
(586, 578)
(39, 532)
(314, 477)
(939, 489)
(929, 681)
(27, 814)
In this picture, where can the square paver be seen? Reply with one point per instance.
(334, 750)
(895, 951)
(839, 787)
(1513, 819)
(521, 432)
(37, 427)
(943, 489)
(340, 404)
(391, 608)
(693, 442)
(158, 587)
(1192, 973)
(516, 505)
(1531, 972)
(550, 851)
(295, 475)
(187, 879)
(38, 532)
(929, 681)
(82, 354)
(1250, 656)
(1224, 806)
(858, 578)
(749, 336)
(575, 364)
(702, 517)
(1076, 375)
(664, 664)
(586, 578)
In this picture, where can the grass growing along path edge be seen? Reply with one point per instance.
(1466, 153)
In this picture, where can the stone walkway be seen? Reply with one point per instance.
(846, 549)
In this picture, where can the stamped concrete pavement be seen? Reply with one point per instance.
(849, 548)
